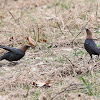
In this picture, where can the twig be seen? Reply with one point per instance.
(62, 91)
(59, 27)
(97, 13)
(57, 22)
(80, 31)
(34, 33)
(69, 61)
(66, 89)
(12, 16)
(16, 21)
(72, 67)
(38, 29)
(5, 2)
(55, 10)
(69, 29)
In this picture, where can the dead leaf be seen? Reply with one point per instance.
(47, 82)
(31, 41)
(42, 40)
(20, 43)
(11, 38)
(40, 84)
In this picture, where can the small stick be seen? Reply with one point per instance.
(69, 61)
(97, 13)
(57, 22)
(59, 27)
(38, 31)
(69, 30)
(5, 2)
(62, 91)
(80, 31)
(34, 33)
(12, 16)
(66, 89)
(55, 9)
(17, 22)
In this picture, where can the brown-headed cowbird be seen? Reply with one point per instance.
(14, 54)
(90, 45)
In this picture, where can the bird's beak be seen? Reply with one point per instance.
(28, 45)
(86, 29)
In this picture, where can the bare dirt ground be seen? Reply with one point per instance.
(53, 24)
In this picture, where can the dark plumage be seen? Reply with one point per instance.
(90, 45)
(14, 54)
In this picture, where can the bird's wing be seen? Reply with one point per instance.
(14, 50)
(94, 48)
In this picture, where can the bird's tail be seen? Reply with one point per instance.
(1, 46)
(1, 58)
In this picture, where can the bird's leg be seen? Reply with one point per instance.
(98, 57)
(90, 59)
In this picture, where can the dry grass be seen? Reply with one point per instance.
(58, 60)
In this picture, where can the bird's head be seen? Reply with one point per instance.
(86, 29)
(27, 46)
(24, 48)
(89, 33)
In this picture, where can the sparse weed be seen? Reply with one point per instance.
(79, 52)
(98, 45)
(88, 85)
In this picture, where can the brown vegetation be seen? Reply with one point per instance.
(57, 26)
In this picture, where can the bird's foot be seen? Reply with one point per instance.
(13, 63)
(91, 60)
(97, 59)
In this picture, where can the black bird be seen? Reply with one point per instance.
(90, 45)
(14, 54)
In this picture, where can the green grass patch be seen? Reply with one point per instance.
(79, 52)
(88, 85)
